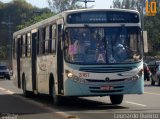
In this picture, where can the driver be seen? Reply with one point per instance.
(120, 53)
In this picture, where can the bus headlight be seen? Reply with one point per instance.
(73, 77)
(136, 77)
(69, 75)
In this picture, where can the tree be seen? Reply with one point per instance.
(22, 14)
(36, 18)
(127, 4)
(152, 24)
(117, 4)
(62, 5)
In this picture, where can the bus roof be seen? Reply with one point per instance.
(62, 15)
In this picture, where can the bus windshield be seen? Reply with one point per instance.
(106, 45)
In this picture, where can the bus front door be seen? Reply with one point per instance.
(18, 61)
(33, 59)
(60, 62)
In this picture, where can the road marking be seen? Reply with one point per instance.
(2, 89)
(151, 93)
(10, 92)
(6, 91)
(136, 103)
(53, 110)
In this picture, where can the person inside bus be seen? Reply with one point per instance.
(100, 50)
(93, 39)
(120, 53)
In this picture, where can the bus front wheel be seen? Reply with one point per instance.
(116, 99)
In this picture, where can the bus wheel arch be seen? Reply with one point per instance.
(116, 99)
(52, 91)
(51, 85)
(24, 84)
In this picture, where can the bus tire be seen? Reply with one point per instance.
(158, 81)
(152, 82)
(116, 99)
(25, 92)
(52, 92)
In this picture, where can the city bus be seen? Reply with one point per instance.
(80, 53)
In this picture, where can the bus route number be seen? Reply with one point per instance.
(83, 75)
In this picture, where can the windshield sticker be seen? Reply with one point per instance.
(101, 58)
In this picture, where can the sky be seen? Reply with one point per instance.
(43, 3)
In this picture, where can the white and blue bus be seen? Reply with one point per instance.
(78, 53)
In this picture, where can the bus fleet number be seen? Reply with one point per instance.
(83, 74)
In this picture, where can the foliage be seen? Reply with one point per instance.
(62, 5)
(152, 24)
(34, 19)
(21, 14)
(127, 4)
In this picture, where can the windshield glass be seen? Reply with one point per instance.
(103, 45)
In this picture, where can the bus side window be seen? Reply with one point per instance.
(47, 39)
(21, 46)
(14, 47)
(28, 45)
(53, 41)
(38, 42)
(42, 41)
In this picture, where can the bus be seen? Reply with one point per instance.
(80, 53)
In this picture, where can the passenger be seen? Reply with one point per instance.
(120, 53)
(101, 51)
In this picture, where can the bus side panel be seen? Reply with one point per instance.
(26, 70)
(45, 66)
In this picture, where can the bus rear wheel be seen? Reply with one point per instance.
(25, 92)
(116, 99)
(158, 81)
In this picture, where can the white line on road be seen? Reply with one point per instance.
(63, 114)
(6, 91)
(2, 89)
(151, 93)
(136, 103)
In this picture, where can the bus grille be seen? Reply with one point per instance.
(95, 80)
(105, 69)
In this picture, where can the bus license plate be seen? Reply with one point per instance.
(106, 88)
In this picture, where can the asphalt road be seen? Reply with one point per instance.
(14, 105)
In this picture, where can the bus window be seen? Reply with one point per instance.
(14, 47)
(102, 45)
(29, 45)
(26, 45)
(38, 42)
(21, 46)
(53, 48)
(42, 41)
(47, 39)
